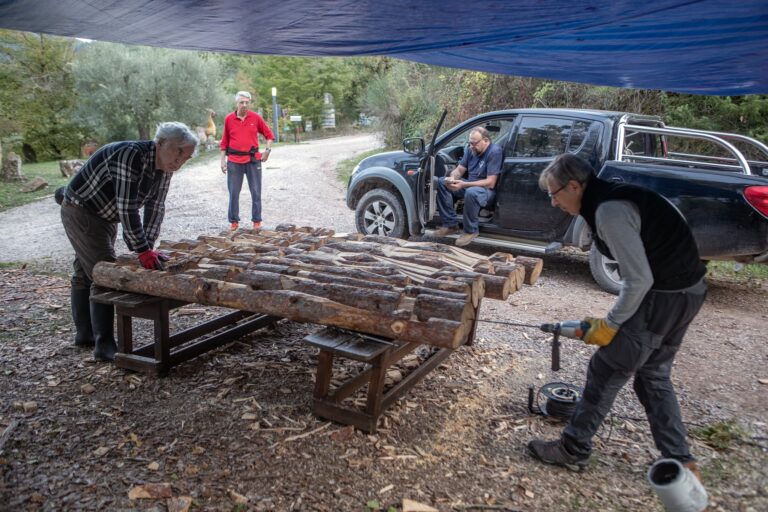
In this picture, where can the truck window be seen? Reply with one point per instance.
(643, 144)
(579, 132)
(542, 137)
(498, 129)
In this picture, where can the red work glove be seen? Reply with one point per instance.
(152, 260)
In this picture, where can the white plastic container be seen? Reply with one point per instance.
(677, 487)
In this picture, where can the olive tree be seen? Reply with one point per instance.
(126, 90)
(37, 99)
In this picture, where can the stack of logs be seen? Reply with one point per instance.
(411, 291)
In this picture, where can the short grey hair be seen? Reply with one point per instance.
(242, 94)
(564, 168)
(485, 134)
(178, 133)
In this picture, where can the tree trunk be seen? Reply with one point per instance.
(293, 305)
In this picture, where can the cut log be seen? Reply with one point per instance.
(433, 306)
(533, 267)
(515, 273)
(289, 304)
(501, 257)
(496, 287)
(382, 301)
(484, 267)
(475, 282)
(413, 291)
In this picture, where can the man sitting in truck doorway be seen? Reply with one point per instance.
(484, 164)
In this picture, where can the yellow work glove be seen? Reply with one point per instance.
(599, 333)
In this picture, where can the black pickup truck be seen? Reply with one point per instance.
(706, 175)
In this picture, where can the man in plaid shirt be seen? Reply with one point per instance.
(114, 184)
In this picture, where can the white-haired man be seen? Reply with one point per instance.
(240, 156)
(114, 184)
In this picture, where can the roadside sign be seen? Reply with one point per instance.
(295, 119)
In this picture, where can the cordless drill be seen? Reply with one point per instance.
(570, 329)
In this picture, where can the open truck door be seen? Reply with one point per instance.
(425, 193)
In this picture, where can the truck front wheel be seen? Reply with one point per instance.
(380, 212)
(605, 271)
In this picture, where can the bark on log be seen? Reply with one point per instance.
(496, 287)
(433, 306)
(515, 273)
(386, 275)
(484, 267)
(292, 305)
(474, 281)
(501, 257)
(381, 301)
(448, 286)
(414, 291)
(533, 267)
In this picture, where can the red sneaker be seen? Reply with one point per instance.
(233, 226)
(257, 225)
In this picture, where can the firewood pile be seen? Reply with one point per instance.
(411, 291)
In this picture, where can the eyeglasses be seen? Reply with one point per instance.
(553, 194)
(475, 143)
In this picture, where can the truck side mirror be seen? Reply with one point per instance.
(413, 145)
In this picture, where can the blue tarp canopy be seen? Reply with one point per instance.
(701, 47)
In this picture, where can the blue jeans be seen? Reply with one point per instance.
(235, 173)
(475, 198)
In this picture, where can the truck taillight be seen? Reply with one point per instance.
(758, 198)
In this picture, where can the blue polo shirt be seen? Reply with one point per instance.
(480, 167)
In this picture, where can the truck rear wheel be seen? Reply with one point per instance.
(380, 212)
(605, 271)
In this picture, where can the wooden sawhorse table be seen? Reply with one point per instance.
(379, 354)
(164, 352)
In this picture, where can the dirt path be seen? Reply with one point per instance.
(299, 187)
(236, 423)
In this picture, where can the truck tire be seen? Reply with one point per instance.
(380, 212)
(605, 271)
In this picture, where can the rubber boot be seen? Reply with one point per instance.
(81, 315)
(103, 324)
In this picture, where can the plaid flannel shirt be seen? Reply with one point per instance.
(116, 182)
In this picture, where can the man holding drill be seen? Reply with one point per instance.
(662, 290)
(112, 187)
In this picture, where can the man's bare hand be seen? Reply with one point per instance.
(453, 184)
(265, 157)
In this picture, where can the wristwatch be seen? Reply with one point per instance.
(268, 150)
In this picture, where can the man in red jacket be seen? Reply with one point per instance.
(240, 157)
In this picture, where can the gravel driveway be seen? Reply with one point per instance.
(299, 182)
(235, 424)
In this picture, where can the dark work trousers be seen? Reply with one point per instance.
(475, 198)
(235, 173)
(645, 346)
(92, 238)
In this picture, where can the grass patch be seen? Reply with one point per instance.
(344, 169)
(737, 272)
(719, 435)
(10, 192)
